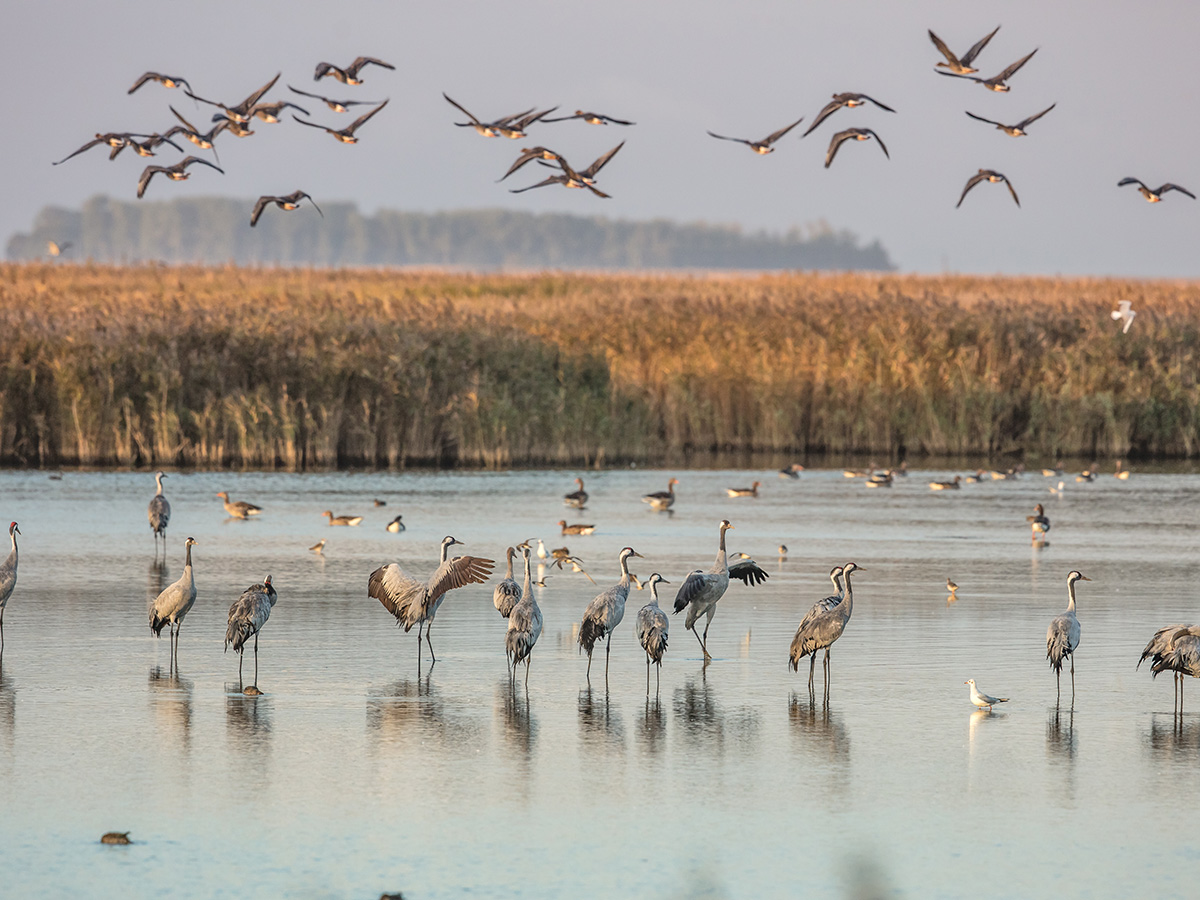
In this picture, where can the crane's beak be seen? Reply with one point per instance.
(1084, 578)
(638, 555)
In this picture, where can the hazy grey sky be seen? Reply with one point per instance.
(1124, 76)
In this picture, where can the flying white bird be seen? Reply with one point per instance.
(1124, 311)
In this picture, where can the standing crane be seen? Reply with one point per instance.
(1182, 658)
(415, 602)
(821, 627)
(1160, 648)
(159, 513)
(605, 613)
(247, 616)
(174, 602)
(1062, 637)
(652, 627)
(8, 578)
(524, 624)
(701, 590)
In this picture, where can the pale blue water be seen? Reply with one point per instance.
(355, 775)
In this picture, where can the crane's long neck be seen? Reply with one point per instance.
(446, 551)
(848, 600)
(158, 481)
(527, 589)
(836, 578)
(12, 554)
(187, 559)
(508, 574)
(1070, 596)
(654, 594)
(722, 562)
(625, 580)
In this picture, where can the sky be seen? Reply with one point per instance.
(1119, 72)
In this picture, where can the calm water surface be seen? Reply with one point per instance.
(357, 772)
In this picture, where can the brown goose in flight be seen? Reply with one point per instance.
(169, 81)
(839, 100)
(348, 75)
(269, 112)
(515, 129)
(588, 175)
(336, 105)
(346, 135)
(487, 129)
(764, 146)
(996, 82)
(177, 172)
(241, 112)
(989, 175)
(527, 155)
(115, 140)
(288, 202)
(591, 118)
(857, 134)
(960, 65)
(1156, 195)
(1017, 130)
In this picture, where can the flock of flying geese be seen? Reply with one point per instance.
(236, 119)
(415, 602)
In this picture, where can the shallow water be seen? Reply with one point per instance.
(357, 772)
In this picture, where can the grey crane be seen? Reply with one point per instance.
(701, 590)
(605, 613)
(524, 624)
(247, 615)
(415, 602)
(652, 627)
(239, 509)
(822, 626)
(174, 602)
(8, 578)
(1182, 658)
(159, 514)
(507, 593)
(1062, 637)
(577, 498)
(1160, 648)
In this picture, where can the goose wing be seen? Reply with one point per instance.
(838, 139)
(944, 50)
(148, 173)
(776, 135)
(601, 162)
(982, 119)
(527, 154)
(188, 160)
(1034, 118)
(1012, 70)
(1012, 191)
(259, 206)
(970, 55)
(296, 196)
(361, 61)
(461, 109)
(249, 102)
(365, 116)
(877, 103)
(828, 110)
(971, 182)
(313, 124)
(724, 138)
(88, 146)
(882, 145)
(1174, 187)
(553, 179)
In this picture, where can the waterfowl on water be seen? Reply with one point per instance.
(792, 471)
(1155, 196)
(881, 479)
(1053, 472)
(1124, 313)
(751, 491)
(348, 75)
(661, 500)
(1058, 491)
(996, 82)
(857, 134)
(982, 700)
(576, 498)
(1039, 524)
(1017, 130)
(395, 526)
(782, 551)
(591, 118)
(979, 475)
(119, 838)
(168, 81)
(342, 520)
(376, 502)
(346, 135)
(849, 101)
(240, 112)
(239, 509)
(951, 586)
(989, 175)
(177, 172)
(946, 485)
(287, 202)
(960, 65)
(764, 146)
(1121, 473)
(340, 106)
(319, 547)
(575, 529)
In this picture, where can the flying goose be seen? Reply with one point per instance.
(987, 175)
(487, 129)
(514, 129)
(348, 75)
(591, 118)
(996, 82)
(346, 135)
(339, 106)
(858, 134)
(528, 154)
(287, 202)
(960, 65)
(1017, 130)
(169, 81)
(241, 112)
(764, 146)
(269, 112)
(177, 172)
(1155, 196)
(114, 139)
(839, 100)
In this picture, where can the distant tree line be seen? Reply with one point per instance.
(217, 230)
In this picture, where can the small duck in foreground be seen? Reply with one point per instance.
(116, 837)
(395, 526)
(981, 699)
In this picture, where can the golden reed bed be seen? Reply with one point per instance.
(301, 368)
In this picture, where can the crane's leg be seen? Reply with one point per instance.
(702, 647)
(1, 630)
(241, 659)
(1072, 681)
(429, 628)
(256, 659)
(1058, 686)
(812, 668)
(607, 651)
(589, 669)
(528, 662)
(647, 674)
(711, 612)
(1181, 695)
(657, 679)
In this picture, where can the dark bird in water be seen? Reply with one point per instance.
(349, 75)
(1017, 130)
(591, 118)
(1038, 523)
(996, 82)
(287, 202)
(169, 81)
(764, 146)
(960, 65)
(1155, 196)
(987, 175)
(241, 112)
(177, 172)
(839, 100)
(346, 135)
(336, 105)
(116, 141)
(857, 134)
(247, 616)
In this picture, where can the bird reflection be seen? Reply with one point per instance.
(599, 723)
(247, 719)
(512, 706)
(697, 709)
(171, 698)
(978, 718)
(1176, 736)
(157, 578)
(8, 706)
(412, 711)
(819, 729)
(1061, 739)
(651, 734)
